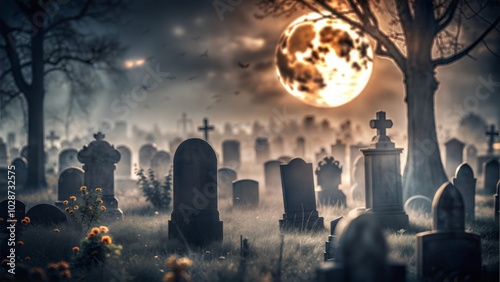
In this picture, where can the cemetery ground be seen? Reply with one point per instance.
(144, 238)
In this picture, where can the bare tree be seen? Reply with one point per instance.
(45, 40)
(418, 36)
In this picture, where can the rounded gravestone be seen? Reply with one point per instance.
(225, 178)
(448, 209)
(246, 193)
(46, 215)
(69, 183)
(418, 204)
(272, 176)
(160, 163)
(67, 158)
(284, 159)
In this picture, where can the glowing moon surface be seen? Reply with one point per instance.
(323, 62)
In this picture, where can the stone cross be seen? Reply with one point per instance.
(206, 128)
(184, 121)
(52, 137)
(491, 133)
(381, 124)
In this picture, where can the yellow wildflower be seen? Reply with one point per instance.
(72, 198)
(106, 240)
(65, 202)
(83, 188)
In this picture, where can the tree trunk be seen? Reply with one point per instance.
(424, 172)
(35, 97)
(36, 153)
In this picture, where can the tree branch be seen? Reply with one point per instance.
(466, 50)
(13, 59)
(447, 17)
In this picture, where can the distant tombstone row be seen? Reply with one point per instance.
(160, 163)
(272, 176)
(231, 156)
(146, 154)
(262, 151)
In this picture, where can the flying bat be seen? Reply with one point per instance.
(243, 66)
(204, 54)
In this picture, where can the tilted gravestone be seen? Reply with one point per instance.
(491, 176)
(99, 159)
(225, 178)
(68, 158)
(299, 197)
(246, 193)
(361, 254)
(160, 163)
(46, 215)
(262, 152)
(195, 217)
(329, 177)
(124, 166)
(383, 187)
(448, 252)
(358, 179)
(146, 153)
(272, 176)
(21, 170)
(69, 183)
(454, 155)
(231, 156)
(418, 204)
(466, 183)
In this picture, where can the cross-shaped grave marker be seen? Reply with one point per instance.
(491, 133)
(52, 137)
(206, 128)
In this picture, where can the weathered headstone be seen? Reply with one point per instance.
(99, 159)
(448, 252)
(46, 215)
(272, 176)
(195, 217)
(454, 155)
(471, 156)
(3, 154)
(160, 163)
(69, 183)
(225, 178)
(231, 154)
(299, 197)
(124, 166)
(383, 187)
(329, 176)
(358, 179)
(354, 152)
(361, 255)
(262, 152)
(21, 170)
(466, 183)
(491, 176)
(419, 204)
(68, 158)
(146, 153)
(245, 193)
(331, 243)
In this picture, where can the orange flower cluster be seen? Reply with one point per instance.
(178, 269)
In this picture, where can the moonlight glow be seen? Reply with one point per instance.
(323, 62)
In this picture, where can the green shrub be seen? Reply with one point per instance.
(157, 193)
(87, 209)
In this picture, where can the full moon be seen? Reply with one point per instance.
(323, 62)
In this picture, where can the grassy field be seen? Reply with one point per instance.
(143, 235)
